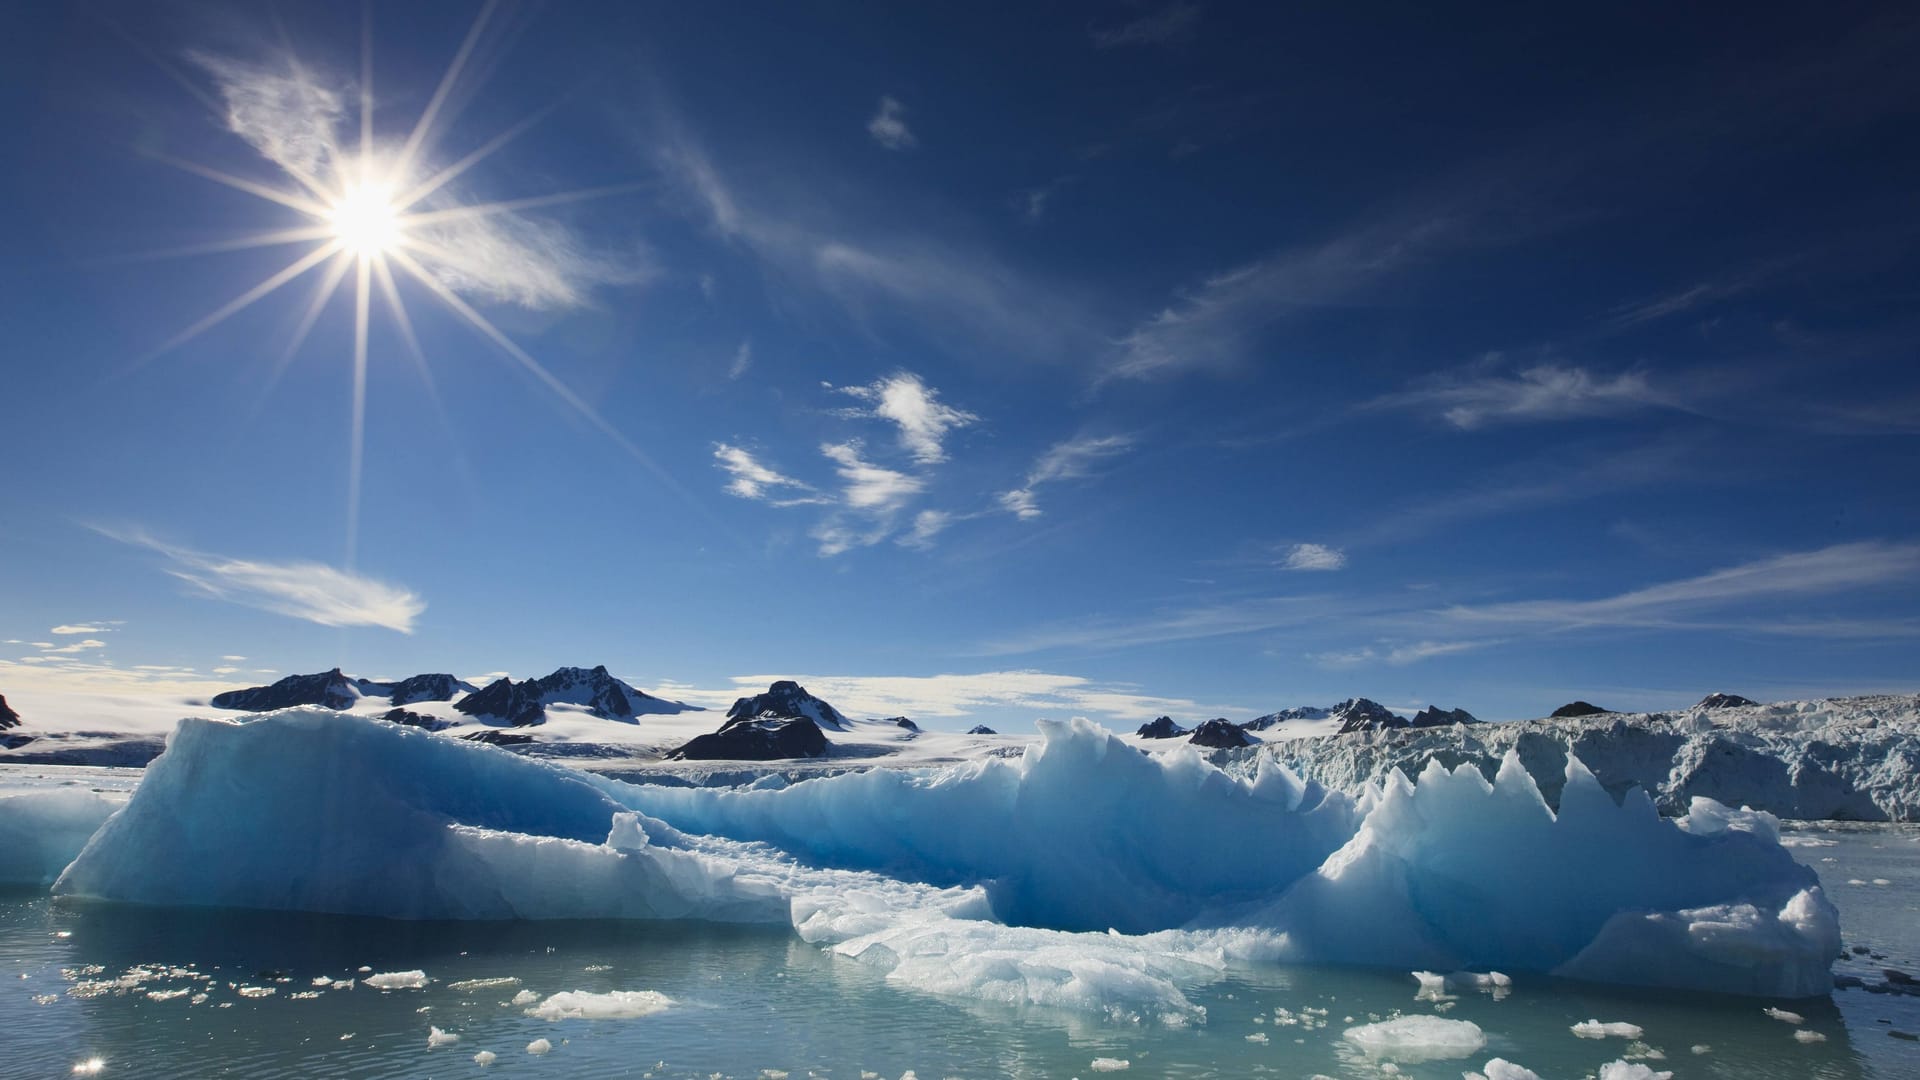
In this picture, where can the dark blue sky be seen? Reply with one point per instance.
(1108, 359)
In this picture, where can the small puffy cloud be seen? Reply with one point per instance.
(233, 659)
(1313, 557)
(1069, 460)
(76, 647)
(1170, 24)
(916, 409)
(315, 592)
(868, 486)
(889, 126)
(752, 480)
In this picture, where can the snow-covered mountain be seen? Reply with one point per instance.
(1848, 758)
(1161, 727)
(788, 700)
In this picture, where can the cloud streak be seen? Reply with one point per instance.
(1537, 394)
(314, 592)
(889, 126)
(1073, 459)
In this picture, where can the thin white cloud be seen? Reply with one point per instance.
(1313, 557)
(870, 487)
(753, 480)
(927, 524)
(913, 406)
(1836, 569)
(889, 126)
(1073, 459)
(955, 696)
(233, 659)
(1170, 24)
(81, 628)
(293, 116)
(742, 360)
(1546, 392)
(312, 591)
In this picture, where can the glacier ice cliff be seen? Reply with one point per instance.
(997, 879)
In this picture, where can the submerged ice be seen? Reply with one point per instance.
(1084, 875)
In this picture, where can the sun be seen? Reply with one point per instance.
(366, 220)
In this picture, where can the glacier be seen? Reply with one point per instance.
(1084, 874)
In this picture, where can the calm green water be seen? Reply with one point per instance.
(78, 982)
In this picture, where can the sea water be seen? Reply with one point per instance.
(114, 990)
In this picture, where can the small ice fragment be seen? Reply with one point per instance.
(1502, 1069)
(1783, 1015)
(773, 1074)
(436, 1037)
(465, 985)
(397, 980)
(616, 1005)
(1413, 1039)
(1702, 1048)
(1630, 1070)
(1111, 1064)
(525, 997)
(1433, 986)
(1594, 1029)
(485, 1057)
(1257, 1037)
(539, 1046)
(1806, 1036)
(322, 980)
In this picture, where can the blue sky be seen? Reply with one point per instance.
(980, 365)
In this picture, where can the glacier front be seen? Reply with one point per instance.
(1084, 874)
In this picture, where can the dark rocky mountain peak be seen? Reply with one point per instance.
(1435, 716)
(495, 737)
(902, 722)
(787, 700)
(8, 718)
(603, 695)
(1361, 714)
(508, 702)
(1162, 727)
(981, 729)
(437, 686)
(409, 718)
(756, 738)
(1220, 733)
(327, 689)
(1578, 708)
(1298, 712)
(1724, 701)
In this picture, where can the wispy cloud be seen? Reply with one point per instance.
(1542, 393)
(909, 403)
(1395, 655)
(1313, 557)
(954, 696)
(889, 126)
(1170, 24)
(742, 360)
(1826, 571)
(927, 524)
(81, 646)
(311, 591)
(753, 480)
(82, 628)
(1069, 460)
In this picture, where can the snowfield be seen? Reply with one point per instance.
(994, 879)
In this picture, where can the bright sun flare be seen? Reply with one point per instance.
(366, 220)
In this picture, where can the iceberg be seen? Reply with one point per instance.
(1084, 874)
(41, 832)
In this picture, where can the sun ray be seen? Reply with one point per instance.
(305, 206)
(461, 213)
(486, 150)
(275, 238)
(534, 367)
(424, 125)
(342, 262)
(310, 182)
(404, 323)
(300, 266)
(357, 440)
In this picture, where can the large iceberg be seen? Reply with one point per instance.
(998, 879)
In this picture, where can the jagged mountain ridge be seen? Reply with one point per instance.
(503, 700)
(788, 700)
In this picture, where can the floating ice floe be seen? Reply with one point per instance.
(617, 1005)
(1409, 1040)
(397, 980)
(992, 879)
(1595, 1029)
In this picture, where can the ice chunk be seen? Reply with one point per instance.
(1630, 1070)
(1107, 1064)
(1595, 1029)
(437, 1038)
(1409, 1040)
(525, 997)
(539, 1046)
(1502, 1069)
(42, 831)
(485, 1058)
(616, 1005)
(1784, 1016)
(465, 985)
(397, 980)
